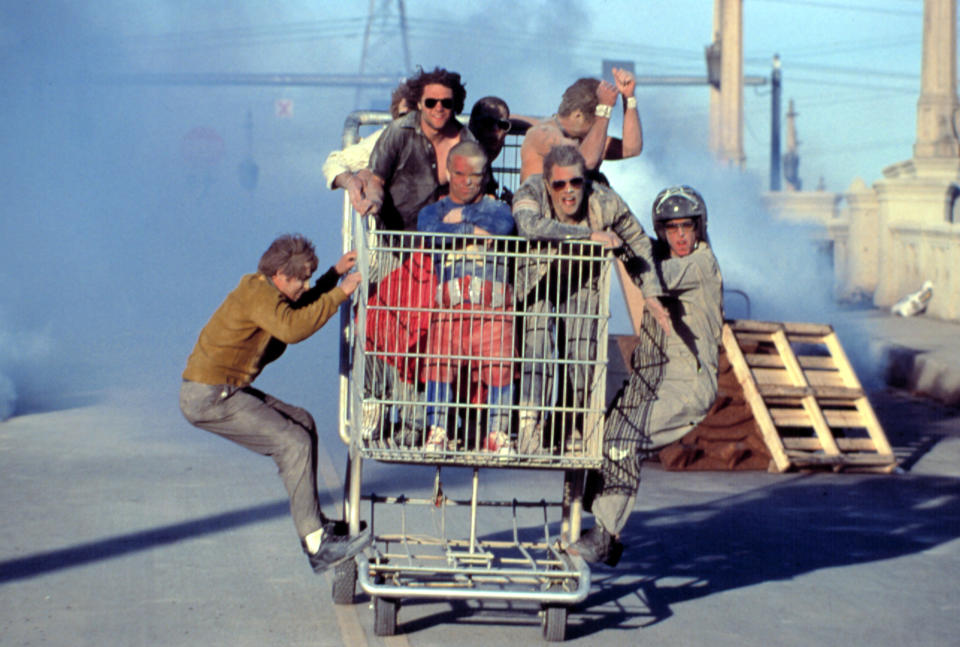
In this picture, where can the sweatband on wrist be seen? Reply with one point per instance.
(603, 111)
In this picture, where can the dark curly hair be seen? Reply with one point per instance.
(442, 77)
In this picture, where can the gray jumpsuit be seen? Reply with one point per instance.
(673, 383)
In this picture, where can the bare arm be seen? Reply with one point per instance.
(594, 144)
(632, 143)
(355, 189)
(660, 314)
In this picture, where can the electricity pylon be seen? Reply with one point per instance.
(384, 38)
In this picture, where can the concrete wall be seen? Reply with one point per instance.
(890, 238)
(923, 253)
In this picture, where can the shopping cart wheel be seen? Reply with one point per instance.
(345, 582)
(385, 616)
(554, 623)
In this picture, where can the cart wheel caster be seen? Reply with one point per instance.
(385, 616)
(554, 623)
(345, 582)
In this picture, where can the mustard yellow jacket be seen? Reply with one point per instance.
(253, 326)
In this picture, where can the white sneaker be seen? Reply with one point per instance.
(498, 442)
(436, 440)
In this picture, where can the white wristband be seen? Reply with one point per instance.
(631, 102)
(603, 111)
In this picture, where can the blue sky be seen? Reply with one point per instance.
(851, 67)
(118, 238)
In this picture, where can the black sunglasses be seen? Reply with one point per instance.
(560, 185)
(489, 122)
(431, 103)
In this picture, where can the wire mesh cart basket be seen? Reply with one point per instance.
(476, 352)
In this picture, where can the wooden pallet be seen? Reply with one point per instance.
(805, 397)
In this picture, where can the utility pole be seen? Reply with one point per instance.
(791, 160)
(775, 125)
(726, 75)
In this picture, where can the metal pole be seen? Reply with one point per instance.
(473, 510)
(775, 124)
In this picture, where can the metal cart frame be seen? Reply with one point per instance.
(406, 564)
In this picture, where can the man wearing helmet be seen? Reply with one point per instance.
(674, 379)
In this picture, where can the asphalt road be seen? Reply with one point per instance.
(123, 525)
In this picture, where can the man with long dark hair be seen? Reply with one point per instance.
(409, 162)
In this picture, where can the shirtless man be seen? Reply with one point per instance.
(409, 162)
(582, 120)
(409, 171)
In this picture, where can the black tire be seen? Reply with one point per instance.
(554, 623)
(385, 616)
(345, 582)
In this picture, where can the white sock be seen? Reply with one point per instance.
(312, 541)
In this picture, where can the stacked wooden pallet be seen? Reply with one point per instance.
(805, 396)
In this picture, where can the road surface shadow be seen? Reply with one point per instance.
(810, 523)
(913, 425)
(117, 546)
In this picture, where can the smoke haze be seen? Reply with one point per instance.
(126, 222)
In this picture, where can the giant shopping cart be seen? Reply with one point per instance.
(502, 367)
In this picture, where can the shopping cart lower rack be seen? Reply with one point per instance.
(416, 564)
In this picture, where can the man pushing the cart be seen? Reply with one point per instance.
(268, 310)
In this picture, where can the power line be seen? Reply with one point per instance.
(846, 47)
(858, 148)
(853, 99)
(856, 71)
(510, 40)
(247, 36)
(846, 7)
(852, 84)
